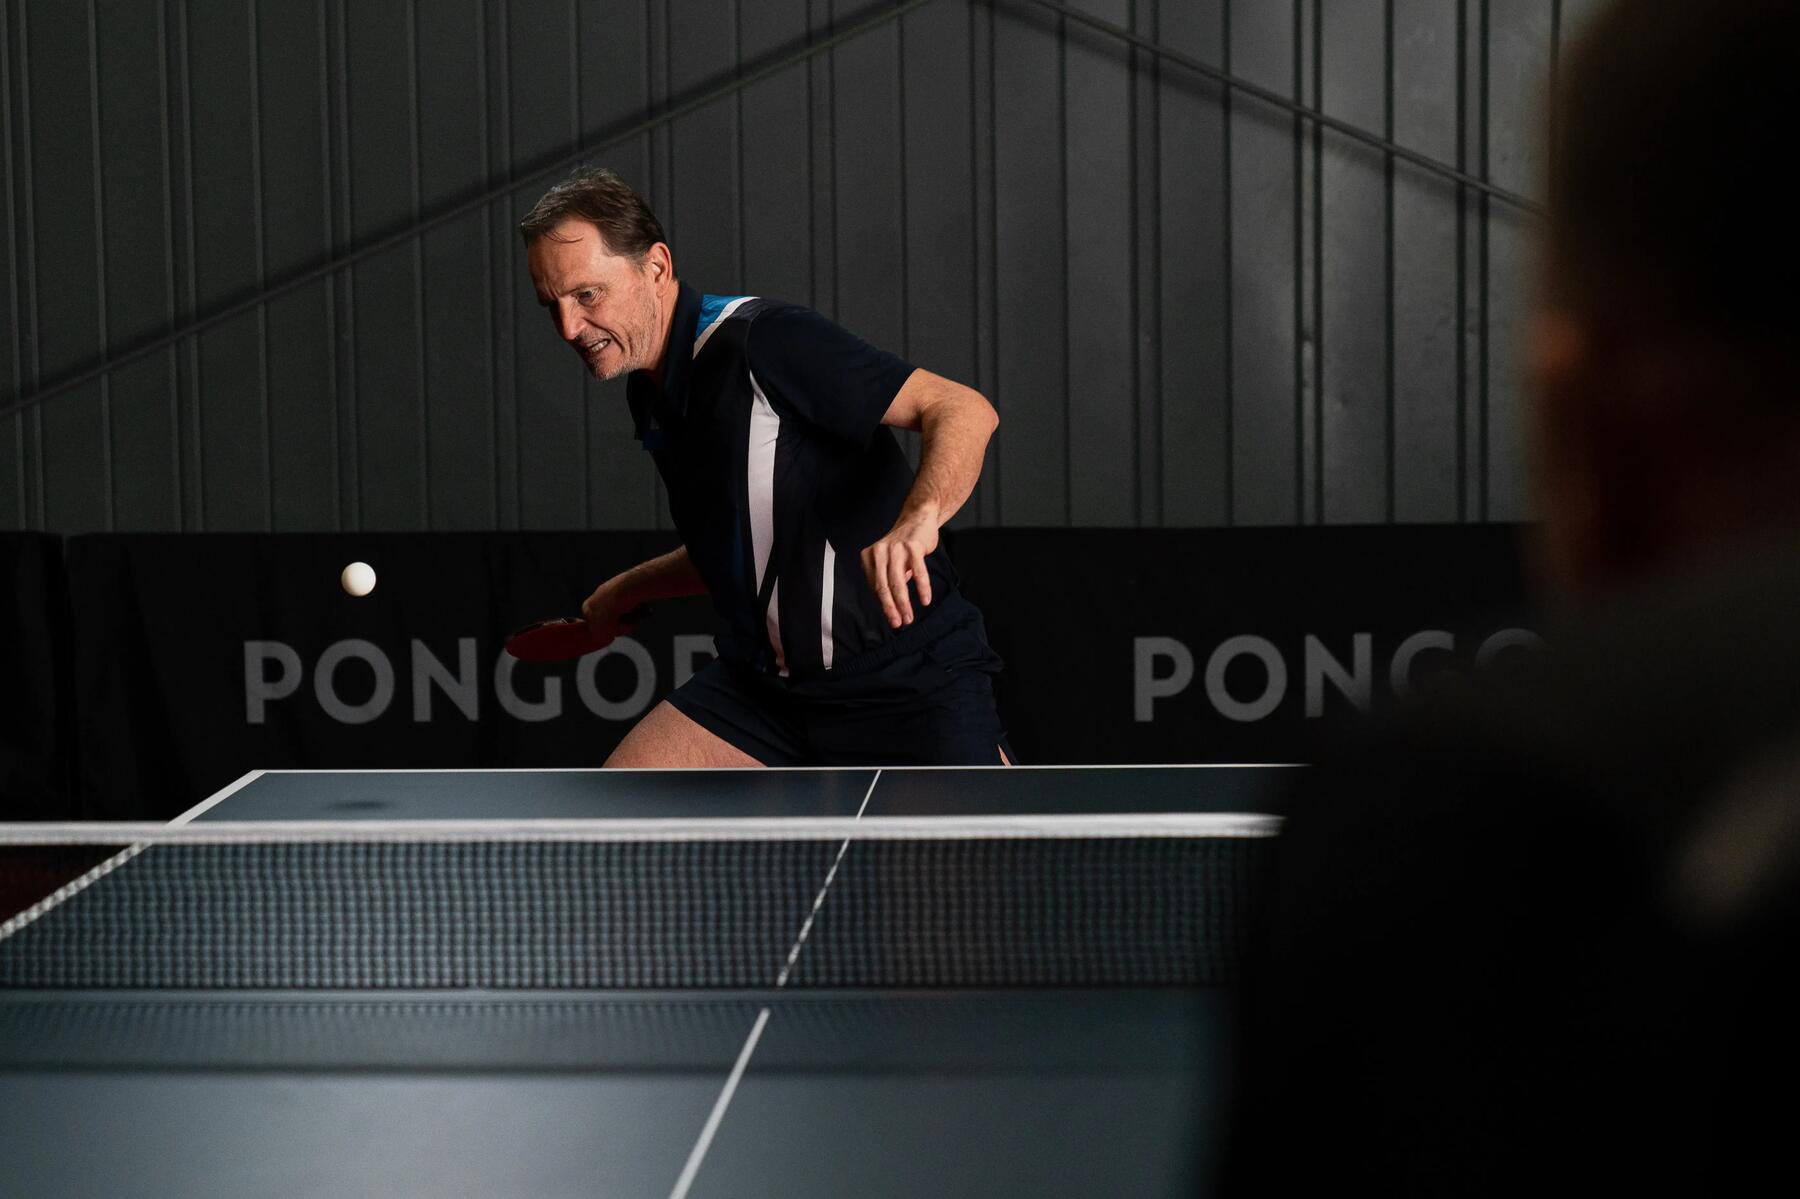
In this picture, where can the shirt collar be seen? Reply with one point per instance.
(645, 398)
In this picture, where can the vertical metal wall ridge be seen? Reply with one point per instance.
(837, 281)
(1462, 262)
(510, 260)
(260, 224)
(1230, 276)
(906, 350)
(1158, 423)
(812, 171)
(189, 286)
(333, 383)
(1318, 264)
(1389, 424)
(656, 78)
(420, 333)
(343, 234)
(171, 299)
(1146, 278)
(737, 149)
(1062, 174)
(34, 420)
(980, 247)
(1486, 467)
(1556, 27)
(16, 372)
(1299, 398)
(485, 84)
(576, 107)
(998, 491)
(100, 293)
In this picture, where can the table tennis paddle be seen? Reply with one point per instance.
(565, 637)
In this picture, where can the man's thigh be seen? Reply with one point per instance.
(665, 738)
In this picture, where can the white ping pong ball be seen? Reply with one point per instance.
(358, 578)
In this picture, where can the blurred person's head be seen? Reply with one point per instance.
(1664, 356)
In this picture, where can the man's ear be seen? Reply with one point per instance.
(1575, 453)
(1610, 434)
(1560, 372)
(659, 263)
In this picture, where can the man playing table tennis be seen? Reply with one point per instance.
(844, 638)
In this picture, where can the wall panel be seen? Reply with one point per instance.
(1191, 173)
(1424, 451)
(552, 417)
(1031, 270)
(294, 132)
(1518, 64)
(15, 506)
(1190, 305)
(229, 362)
(457, 307)
(701, 212)
(868, 163)
(393, 463)
(135, 246)
(1099, 217)
(941, 320)
(613, 83)
(72, 443)
(1355, 269)
(1265, 271)
(775, 172)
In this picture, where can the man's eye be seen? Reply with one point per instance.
(586, 297)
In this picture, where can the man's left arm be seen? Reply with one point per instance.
(955, 423)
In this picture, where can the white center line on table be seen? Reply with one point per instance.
(698, 1155)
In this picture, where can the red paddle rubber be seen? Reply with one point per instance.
(564, 637)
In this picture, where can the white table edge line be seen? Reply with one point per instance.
(769, 828)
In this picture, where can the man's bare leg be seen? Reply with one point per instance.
(665, 739)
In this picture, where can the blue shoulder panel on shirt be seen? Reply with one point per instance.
(711, 309)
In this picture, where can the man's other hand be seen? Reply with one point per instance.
(897, 558)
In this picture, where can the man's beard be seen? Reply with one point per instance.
(634, 344)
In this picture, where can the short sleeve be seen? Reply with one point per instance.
(822, 373)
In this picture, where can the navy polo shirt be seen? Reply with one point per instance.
(767, 433)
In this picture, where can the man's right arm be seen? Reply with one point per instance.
(669, 577)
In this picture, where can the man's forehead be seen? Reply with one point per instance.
(574, 248)
(575, 233)
(571, 242)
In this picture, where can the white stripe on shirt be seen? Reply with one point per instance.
(765, 433)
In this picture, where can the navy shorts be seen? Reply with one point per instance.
(931, 706)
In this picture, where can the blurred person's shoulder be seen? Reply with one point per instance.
(1641, 707)
(1481, 928)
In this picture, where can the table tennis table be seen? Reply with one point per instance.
(657, 983)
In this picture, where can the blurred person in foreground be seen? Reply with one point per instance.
(1541, 931)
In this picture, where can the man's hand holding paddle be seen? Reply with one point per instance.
(617, 607)
(602, 621)
(612, 612)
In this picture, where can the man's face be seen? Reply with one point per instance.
(607, 307)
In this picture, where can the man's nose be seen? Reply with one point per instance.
(568, 323)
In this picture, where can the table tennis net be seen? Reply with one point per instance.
(326, 908)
